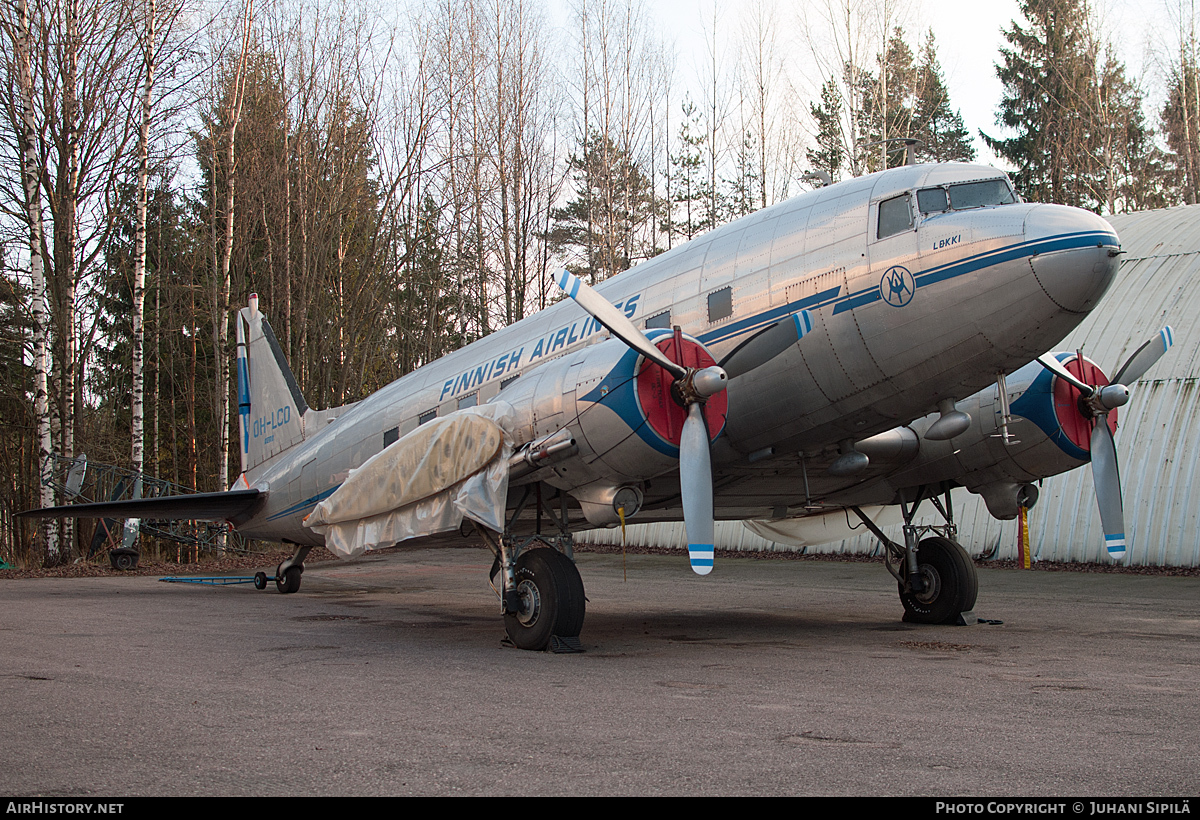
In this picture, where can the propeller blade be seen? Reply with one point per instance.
(1055, 366)
(1145, 357)
(767, 344)
(618, 324)
(695, 482)
(1108, 488)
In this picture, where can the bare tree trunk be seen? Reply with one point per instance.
(31, 175)
(70, 403)
(137, 400)
(222, 294)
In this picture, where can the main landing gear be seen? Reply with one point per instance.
(936, 577)
(287, 574)
(541, 593)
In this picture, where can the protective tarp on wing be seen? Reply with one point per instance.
(813, 530)
(424, 483)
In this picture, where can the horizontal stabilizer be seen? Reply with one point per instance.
(197, 507)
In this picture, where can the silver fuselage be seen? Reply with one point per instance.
(933, 312)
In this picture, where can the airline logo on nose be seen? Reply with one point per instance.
(897, 286)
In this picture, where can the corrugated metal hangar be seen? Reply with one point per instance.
(1158, 434)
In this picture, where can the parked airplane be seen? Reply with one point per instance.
(782, 365)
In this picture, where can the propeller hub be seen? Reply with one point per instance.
(1076, 411)
(1112, 396)
(709, 381)
(664, 398)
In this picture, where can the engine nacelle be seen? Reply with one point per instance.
(619, 408)
(1052, 432)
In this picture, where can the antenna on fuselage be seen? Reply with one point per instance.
(910, 145)
(820, 177)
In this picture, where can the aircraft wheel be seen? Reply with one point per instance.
(260, 580)
(288, 582)
(951, 584)
(550, 592)
(123, 558)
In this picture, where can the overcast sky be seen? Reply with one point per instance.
(968, 35)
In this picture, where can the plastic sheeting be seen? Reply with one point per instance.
(424, 483)
(821, 529)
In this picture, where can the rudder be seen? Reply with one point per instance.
(271, 407)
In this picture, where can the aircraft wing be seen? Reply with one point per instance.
(197, 507)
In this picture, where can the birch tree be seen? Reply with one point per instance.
(20, 34)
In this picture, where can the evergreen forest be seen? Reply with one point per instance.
(397, 180)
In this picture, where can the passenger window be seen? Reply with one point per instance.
(895, 216)
(720, 304)
(504, 383)
(391, 436)
(428, 415)
(469, 400)
(659, 320)
(933, 200)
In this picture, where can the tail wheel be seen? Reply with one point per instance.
(951, 584)
(551, 598)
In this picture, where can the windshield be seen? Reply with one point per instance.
(965, 195)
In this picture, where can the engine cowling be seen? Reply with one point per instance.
(619, 408)
(1052, 432)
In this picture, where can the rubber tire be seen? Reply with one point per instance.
(288, 582)
(260, 580)
(555, 581)
(954, 572)
(125, 562)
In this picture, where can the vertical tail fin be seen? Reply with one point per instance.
(270, 406)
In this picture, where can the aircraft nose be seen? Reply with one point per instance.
(1075, 254)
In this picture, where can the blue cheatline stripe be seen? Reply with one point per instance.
(961, 267)
(300, 506)
(1168, 338)
(770, 317)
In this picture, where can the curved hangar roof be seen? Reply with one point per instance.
(1158, 436)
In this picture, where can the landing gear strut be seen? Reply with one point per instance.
(541, 594)
(287, 574)
(936, 577)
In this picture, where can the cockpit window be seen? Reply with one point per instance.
(965, 195)
(894, 216)
(979, 194)
(933, 200)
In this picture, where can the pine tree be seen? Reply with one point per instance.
(1136, 175)
(614, 203)
(935, 124)
(1049, 77)
(829, 155)
(1181, 126)
(888, 102)
(740, 190)
(689, 182)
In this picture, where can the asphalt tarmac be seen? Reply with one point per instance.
(388, 676)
